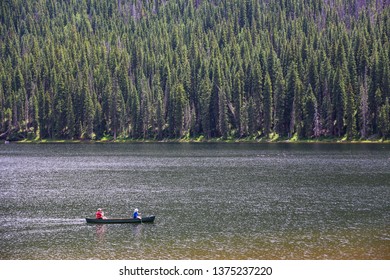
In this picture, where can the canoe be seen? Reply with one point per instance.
(149, 219)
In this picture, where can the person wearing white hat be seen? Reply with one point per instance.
(100, 214)
(136, 214)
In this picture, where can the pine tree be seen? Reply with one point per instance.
(257, 95)
(280, 106)
(2, 107)
(384, 119)
(221, 53)
(99, 123)
(160, 117)
(89, 114)
(364, 112)
(205, 97)
(267, 105)
(214, 106)
(309, 114)
(222, 122)
(34, 113)
(293, 111)
(60, 109)
(339, 102)
(158, 95)
(237, 95)
(43, 113)
(178, 105)
(70, 118)
(350, 114)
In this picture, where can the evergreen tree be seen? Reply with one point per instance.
(280, 105)
(237, 96)
(267, 105)
(205, 88)
(35, 114)
(364, 113)
(293, 112)
(257, 95)
(309, 114)
(99, 123)
(89, 112)
(214, 107)
(245, 68)
(339, 102)
(350, 114)
(60, 109)
(70, 118)
(384, 119)
(2, 108)
(179, 103)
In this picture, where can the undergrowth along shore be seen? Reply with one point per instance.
(209, 140)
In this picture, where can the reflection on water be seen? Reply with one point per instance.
(100, 232)
(211, 201)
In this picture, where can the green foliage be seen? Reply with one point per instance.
(200, 69)
(384, 119)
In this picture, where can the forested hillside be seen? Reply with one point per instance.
(159, 69)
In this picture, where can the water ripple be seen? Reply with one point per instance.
(211, 201)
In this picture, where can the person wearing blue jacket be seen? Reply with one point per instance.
(136, 214)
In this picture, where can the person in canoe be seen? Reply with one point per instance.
(100, 214)
(136, 214)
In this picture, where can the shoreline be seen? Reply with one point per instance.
(195, 140)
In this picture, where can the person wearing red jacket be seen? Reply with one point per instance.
(100, 214)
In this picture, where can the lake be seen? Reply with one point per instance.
(211, 201)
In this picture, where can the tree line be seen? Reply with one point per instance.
(161, 69)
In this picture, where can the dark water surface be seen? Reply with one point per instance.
(211, 201)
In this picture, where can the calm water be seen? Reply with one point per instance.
(211, 201)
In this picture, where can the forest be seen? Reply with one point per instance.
(194, 69)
